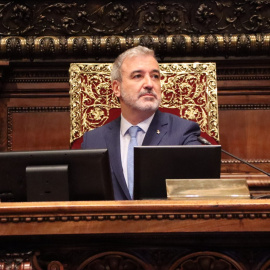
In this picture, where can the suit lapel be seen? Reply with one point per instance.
(113, 143)
(157, 129)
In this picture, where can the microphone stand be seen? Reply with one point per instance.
(247, 163)
(206, 142)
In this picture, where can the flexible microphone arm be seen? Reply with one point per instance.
(204, 141)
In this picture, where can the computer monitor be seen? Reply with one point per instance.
(60, 175)
(154, 164)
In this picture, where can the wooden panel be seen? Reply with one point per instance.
(244, 110)
(144, 216)
(246, 133)
(40, 122)
(38, 128)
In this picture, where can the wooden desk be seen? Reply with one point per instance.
(228, 234)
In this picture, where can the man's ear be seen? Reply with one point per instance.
(116, 88)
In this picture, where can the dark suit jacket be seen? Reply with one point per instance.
(173, 131)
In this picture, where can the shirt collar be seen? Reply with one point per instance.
(144, 125)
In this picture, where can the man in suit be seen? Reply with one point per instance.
(136, 83)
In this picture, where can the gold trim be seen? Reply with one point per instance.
(94, 47)
(200, 106)
(111, 211)
(86, 103)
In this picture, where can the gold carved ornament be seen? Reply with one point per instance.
(188, 90)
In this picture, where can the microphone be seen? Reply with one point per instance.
(206, 142)
(203, 141)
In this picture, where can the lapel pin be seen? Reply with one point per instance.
(158, 132)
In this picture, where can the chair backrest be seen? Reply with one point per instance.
(189, 90)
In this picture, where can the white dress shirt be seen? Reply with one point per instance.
(125, 138)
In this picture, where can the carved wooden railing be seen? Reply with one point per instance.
(135, 235)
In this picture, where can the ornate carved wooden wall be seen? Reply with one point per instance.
(39, 39)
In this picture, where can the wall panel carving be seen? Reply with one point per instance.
(95, 47)
(114, 260)
(133, 17)
(17, 260)
(206, 260)
(53, 29)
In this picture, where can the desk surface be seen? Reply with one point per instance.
(161, 216)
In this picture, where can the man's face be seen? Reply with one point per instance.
(140, 86)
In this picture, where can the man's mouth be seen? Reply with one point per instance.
(147, 94)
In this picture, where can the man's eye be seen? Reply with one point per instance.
(137, 76)
(156, 76)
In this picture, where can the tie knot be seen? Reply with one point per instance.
(133, 131)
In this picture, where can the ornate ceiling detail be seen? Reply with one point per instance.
(94, 29)
(133, 17)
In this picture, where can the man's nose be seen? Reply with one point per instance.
(148, 82)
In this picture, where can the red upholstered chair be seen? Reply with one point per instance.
(188, 90)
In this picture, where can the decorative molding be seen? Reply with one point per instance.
(53, 265)
(92, 48)
(16, 260)
(134, 217)
(37, 76)
(36, 109)
(159, 234)
(206, 260)
(242, 78)
(257, 161)
(119, 260)
(243, 73)
(60, 74)
(50, 30)
(133, 17)
(244, 107)
(12, 110)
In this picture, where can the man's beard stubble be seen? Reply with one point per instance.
(138, 103)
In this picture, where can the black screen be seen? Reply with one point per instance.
(154, 164)
(74, 175)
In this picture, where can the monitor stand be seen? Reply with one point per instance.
(47, 183)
